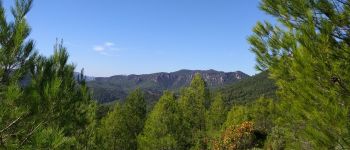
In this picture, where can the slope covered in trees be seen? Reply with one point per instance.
(249, 89)
(116, 88)
(307, 56)
(242, 91)
(196, 119)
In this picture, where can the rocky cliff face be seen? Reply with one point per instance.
(108, 89)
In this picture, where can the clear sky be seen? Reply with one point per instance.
(109, 37)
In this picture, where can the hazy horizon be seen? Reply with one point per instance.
(122, 37)
(166, 72)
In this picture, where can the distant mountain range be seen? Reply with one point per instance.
(107, 89)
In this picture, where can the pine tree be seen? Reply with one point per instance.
(42, 106)
(193, 101)
(58, 98)
(16, 50)
(135, 110)
(237, 115)
(199, 86)
(120, 128)
(11, 114)
(308, 56)
(216, 116)
(113, 129)
(163, 128)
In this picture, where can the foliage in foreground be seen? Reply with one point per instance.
(308, 56)
(52, 109)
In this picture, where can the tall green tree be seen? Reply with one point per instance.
(163, 128)
(308, 55)
(237, 115)
(42, 106)
(57, 94)
(193, 102)
(16, 50)
(58, 98)
(199, 86)
(216, 116)
(120, 128)
(112, 131)
(135, 109)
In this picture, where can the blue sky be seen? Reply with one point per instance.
(109, 37)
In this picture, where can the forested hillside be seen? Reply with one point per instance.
(300, 100)
(108, 89)
(249, 89)
(240, 91)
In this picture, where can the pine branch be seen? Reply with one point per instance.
(12, 123)
(30, 133)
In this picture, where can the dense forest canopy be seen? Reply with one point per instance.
(303, 104)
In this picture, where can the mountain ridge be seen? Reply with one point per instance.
(107, 89)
